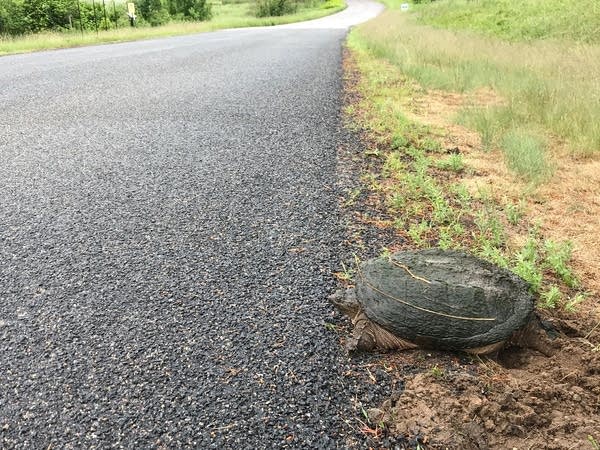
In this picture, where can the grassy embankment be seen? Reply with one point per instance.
(225, 15)
(484, 115)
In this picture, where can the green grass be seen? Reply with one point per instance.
(525, 154)
(227, 15)
(546, 86)
(518, 20)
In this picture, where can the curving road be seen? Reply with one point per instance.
(168, 230)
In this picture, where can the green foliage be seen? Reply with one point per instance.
(453, 163)
(154, 12)
(493, 254)
(12, 18)
(514, 212)
(190, 9)
(418, 232)
(551, 297)
(571, 305)
(269, 8)
(526, 155)
(526, 264)
(557, 258)
(517, 20)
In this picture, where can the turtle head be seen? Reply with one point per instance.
(345, 300)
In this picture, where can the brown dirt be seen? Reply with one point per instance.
(522, 399)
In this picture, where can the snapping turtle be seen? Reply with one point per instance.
(446, 300)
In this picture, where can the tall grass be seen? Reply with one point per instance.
(550, 85)
(518, 20)
(227, 15)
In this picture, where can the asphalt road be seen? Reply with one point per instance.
(168, 232)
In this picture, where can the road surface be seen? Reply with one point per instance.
(168, 233)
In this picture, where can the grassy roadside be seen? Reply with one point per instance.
(415, 84)
(464, 148)
(541, 87)
(226, 15)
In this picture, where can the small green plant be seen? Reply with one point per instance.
(399, 140)
(431, 145)
(417, 232)
(526, 155)
(514, 212)
(526, 264)
(393, 165)
(446, 240)
(557, 258)
(352, 196)
(437, 372)
(493, 254)
(462, 195)
(490, 228)
(331, 327)
(594, 442)
(571, 305)
(399, 223)
(346, 274)
(453, 163)
(551, 298)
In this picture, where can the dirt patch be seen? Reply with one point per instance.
(525, 400)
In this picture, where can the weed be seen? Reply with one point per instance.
(352, 196)
(431, 145)
(399, 224)
(526, 155)
(462, 195)
(346, 274)
(399, 140)
(446, 241)
(493, 254)
(437, 372)
(393, 165)
(557, 258)
(385, 253)
(526, 265)
(551, 298)
(594, 442)
(331, 327)
(571, 305)
(514, 212)
(418, 231)
(453, 163)
(490, 228)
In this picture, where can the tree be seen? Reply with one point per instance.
(47, 14)
(153, 11)
(11, 17)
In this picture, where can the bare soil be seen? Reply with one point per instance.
(521, 399)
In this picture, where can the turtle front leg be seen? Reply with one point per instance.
(369, 336)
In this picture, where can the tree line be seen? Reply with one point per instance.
(32, 16)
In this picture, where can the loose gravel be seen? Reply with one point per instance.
(168, 234)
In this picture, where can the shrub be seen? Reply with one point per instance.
(267, 8)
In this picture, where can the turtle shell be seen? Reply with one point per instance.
(447, 300)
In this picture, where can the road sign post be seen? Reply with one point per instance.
(131, 13)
